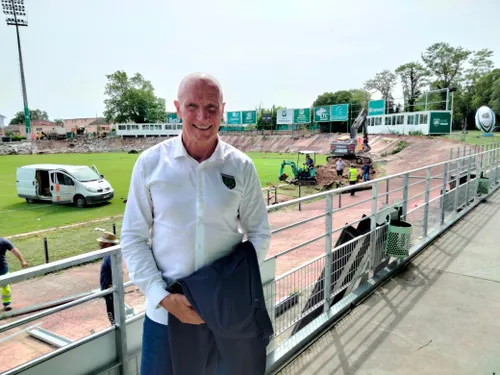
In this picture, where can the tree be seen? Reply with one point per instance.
(383, 82)
(446, 63)
(487, 91)
(360, 96)
(59, 121)
(35, 114)
(480, 65)
(132, 100)
(414, 77)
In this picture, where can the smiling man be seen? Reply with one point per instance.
(191, 194)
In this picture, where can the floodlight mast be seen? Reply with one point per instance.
(16, 8)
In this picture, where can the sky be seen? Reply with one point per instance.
(282, 52)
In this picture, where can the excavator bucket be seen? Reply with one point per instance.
(283, 177)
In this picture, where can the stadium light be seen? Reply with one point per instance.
(15, 13)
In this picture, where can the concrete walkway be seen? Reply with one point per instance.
(440, 316)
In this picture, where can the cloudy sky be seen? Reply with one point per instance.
(285, 52)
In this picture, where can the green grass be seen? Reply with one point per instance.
(473, 137)
(17, 216)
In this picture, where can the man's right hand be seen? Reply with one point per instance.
(178, 305)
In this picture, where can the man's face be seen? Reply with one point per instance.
(201, 109)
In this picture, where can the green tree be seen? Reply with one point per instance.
(360, 96)
(487, 91)
(480, 65)
(35, 114)
(59, 121)
(446, 63)
(414, 77)
(383, 82)
(132, 100)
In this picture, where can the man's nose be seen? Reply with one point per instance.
(202, 114)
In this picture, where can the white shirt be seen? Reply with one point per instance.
(190, 213)
(340, 165)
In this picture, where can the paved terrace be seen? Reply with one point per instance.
(441, 315)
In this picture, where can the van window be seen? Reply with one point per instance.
(64, 180)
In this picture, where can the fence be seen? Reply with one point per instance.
(346, 257)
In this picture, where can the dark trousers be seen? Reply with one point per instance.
(162, 357)
(110, 308)
(352, 183)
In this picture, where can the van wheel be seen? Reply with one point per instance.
(80, 201)
(30, 200)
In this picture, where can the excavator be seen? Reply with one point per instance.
(347, 147)
(302, 176)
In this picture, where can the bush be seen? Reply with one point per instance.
(17, 138)
(399, 147)
(415, 132)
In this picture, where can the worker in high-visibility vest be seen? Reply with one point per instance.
(353, 177)
(6, 245)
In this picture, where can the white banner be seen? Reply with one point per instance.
(284, 116)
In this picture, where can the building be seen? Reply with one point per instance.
(37, 126)
(91, 124)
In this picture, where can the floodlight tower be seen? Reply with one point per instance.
(15, 13)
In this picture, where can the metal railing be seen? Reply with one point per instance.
(343, 252)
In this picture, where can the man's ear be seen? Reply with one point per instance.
(177, 108)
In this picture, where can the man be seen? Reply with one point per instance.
(6, 245)
(194, 192)
(107, 239)
(339, 165)
(366, 171)
(353, 177)
(309, 161)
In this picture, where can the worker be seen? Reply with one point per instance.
(366, 171)
(365, 143)
(339, 166)
(107, 239)
(353, 177)
(6, 245)
(309, 161)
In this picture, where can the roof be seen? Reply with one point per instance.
(307, 152)
(54, 166)
(100, 121)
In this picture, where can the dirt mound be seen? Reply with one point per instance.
(326, 175)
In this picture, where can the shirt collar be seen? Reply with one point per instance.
(180, 150)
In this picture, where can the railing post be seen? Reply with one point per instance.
(328, 252)
(276, 194)
(468, 183)
(340, 200)
(444, 196)
(300, 194)
(451, 153)
(406, 180)
(426, 206)
(119, 313)
(496, 163)
(457, 185)
(268, 196)
(373, 229)
(46, 249)
(387, 191)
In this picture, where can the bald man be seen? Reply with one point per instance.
(191, 194)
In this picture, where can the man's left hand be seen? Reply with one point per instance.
(25, 264)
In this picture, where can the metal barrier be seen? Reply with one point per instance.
(307, 297)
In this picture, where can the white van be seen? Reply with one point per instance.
(60, 183)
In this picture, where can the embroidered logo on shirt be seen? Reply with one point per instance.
(228, 180)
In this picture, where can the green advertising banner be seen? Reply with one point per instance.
(322, 114)
(173, 119)
(339, 112)
(234, 118)
(249, 117)
(440, 123)
(376, 107)
(302, 116)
